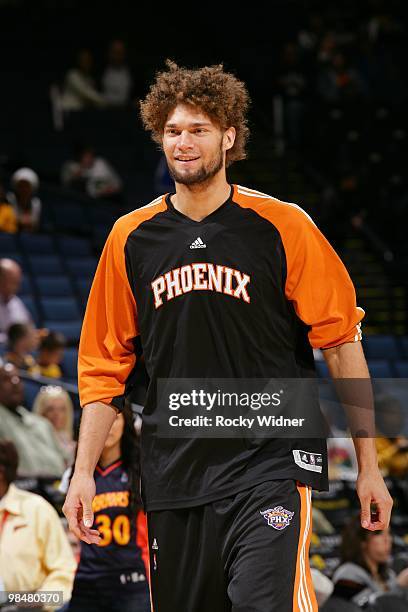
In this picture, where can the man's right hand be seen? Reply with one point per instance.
(78, 508)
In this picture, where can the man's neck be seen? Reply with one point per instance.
(200, 200)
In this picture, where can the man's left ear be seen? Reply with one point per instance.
(229, 138)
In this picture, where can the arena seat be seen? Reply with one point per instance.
(70, 329)
(401, 368)
(31, 389)
(31, 306)
(8, 244)
(78, 247)
(37, 244)
(69, 363)
(42, 265)
(26, 286)
(54, 286)
(380, 368)
(60, 309)
(404, 344)
(82, 266)
(381, 347)
(70, 217)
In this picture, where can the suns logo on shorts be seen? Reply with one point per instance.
(277, 517)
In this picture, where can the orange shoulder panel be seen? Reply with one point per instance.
(106, 355)
(317, 282)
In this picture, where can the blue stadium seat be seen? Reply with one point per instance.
(46, 265)
(25, 287)
(60, 309)
(401, 367)
(31, 389)
(69, 363)
(31, 306)
(8, 244)
(69, 217)
(380, 368)
(84, 287)
(404, 343)
(54, 286)
(80, 247)
(37, 244)
(381, 347)
(82, 266)
(70, 329)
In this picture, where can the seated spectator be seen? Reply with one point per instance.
(339, 82)
(54, 404)
(8, 219)
(50, 354)
(79, 86)
(392, 445)
(39, 451)
(365, 572)
(12, 309)
(27, 206)
(292, 84)
(22, 341)
(116, 79)
(91, 174)
(35, 554)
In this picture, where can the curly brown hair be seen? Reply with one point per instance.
(219, 94)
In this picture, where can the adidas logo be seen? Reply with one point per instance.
(198, 244)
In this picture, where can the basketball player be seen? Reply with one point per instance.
(219, 281)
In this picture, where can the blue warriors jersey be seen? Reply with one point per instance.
(122, 554)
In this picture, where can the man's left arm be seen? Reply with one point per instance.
(347, 361)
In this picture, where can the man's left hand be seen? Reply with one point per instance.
(371, 489)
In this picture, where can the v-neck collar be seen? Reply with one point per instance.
(213, 215)
(109, 468)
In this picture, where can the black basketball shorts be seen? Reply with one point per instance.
(245, 553)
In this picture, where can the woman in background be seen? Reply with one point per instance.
(54, 403)
(365, 571)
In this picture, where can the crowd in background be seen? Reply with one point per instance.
(326, 67)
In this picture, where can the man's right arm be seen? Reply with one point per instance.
(96, 422)
(106, 359)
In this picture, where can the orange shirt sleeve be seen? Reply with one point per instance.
(106, 355)
(318, 283)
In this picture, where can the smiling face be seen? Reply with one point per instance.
(194, 145)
